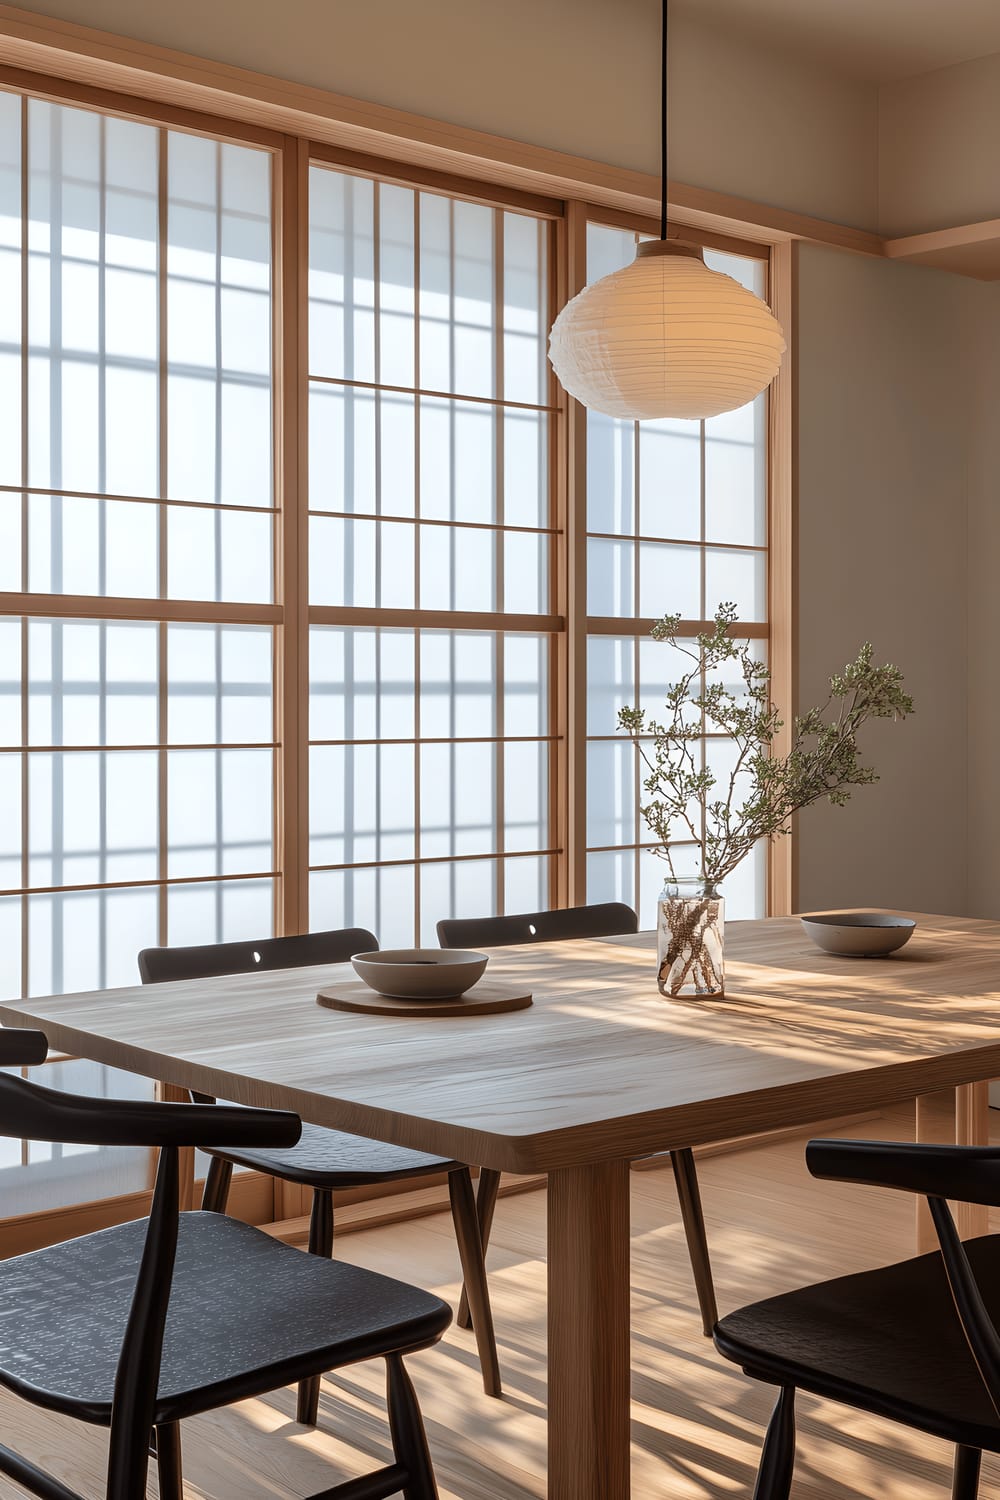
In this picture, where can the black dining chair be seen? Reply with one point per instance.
(141, 1325)
(325, 1160)
(915, 1342)
(606, 919)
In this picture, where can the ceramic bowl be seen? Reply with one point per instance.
(420, 973)
(858, 934)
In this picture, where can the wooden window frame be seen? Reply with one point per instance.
(290, 613)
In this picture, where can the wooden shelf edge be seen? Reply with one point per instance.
(967, 249)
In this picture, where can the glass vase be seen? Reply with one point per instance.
(690, 939)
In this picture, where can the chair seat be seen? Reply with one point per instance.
(325, 1158)
(247, 1314)
(887, 1341)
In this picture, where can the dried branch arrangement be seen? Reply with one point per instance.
(725, 689)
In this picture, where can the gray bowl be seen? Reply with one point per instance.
(420, 973)
(858, 934)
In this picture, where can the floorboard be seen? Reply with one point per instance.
(697, 1422)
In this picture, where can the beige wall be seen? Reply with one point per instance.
(576, 75)
(982, 350)
(939, 148)
(882, 556)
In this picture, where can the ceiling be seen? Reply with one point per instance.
(877, 40)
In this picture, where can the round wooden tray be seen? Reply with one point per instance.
(484, 999)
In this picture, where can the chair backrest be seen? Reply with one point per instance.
(158, 965)
(608, 919)
(29, 1110)
(968, 1174)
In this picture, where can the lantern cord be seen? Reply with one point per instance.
(663, 120)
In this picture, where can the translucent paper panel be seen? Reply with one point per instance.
(745, 889)
(92, 682)
(749, 273)
(81, 545)
(380, 899)
(660, 666)
(11, 774)
(458, 568)
(670, 581)
(219, 812)
(526, 572)
(525, 311)
(670, 479)
(96, 683)
(457, 685)
(457, 461)
(219, 321)
(92, 818)
(11, 696)
(526, 795)
(737, 576)
(611, 877)
(526, 884)
(436, 794)
(362, 684)
(736, 476)
(481, 275)
(10, 292)
(635, 877)
(608, 250)
(10, 947)
(362, 451)
(219, 687)
(457, 799)
(87, 940)
(97, 414)
(11, 528)
(612, 804)
(361, 803)
(92, 301)
(610, 681)
(465, 888)
(525, 468)
(526, 685)
(227, 911)
(219, 554)
(611, 475)
(362, 563)
(457, 297)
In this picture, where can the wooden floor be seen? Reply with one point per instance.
(697, 1422)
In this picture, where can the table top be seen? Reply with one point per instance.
(600, 1068)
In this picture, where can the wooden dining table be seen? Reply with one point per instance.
(600, 1071)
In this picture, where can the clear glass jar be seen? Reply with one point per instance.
(690, 939)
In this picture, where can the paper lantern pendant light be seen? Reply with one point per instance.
(665, 337)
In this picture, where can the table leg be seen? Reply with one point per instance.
(954, 1116)
(589, 1361)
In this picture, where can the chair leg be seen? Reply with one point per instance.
(216, 1194)
(168, 1461)
(686, 1178)
(486, 1202)
(409, 1440)
(965, 1485)
(320, 1243)
(774, 1477)
(470, 1248)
